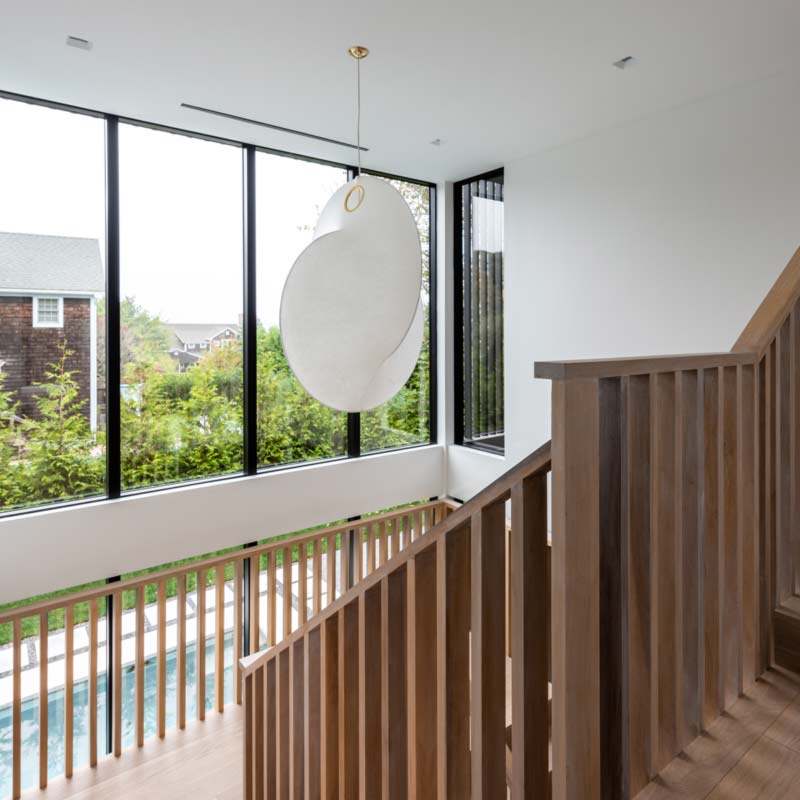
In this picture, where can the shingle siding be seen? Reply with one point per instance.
(28, 351)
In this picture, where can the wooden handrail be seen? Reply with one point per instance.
(763, 326)
(537, 463)
(83, 595)
(642, 365)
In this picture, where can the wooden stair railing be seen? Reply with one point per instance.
(676, 536)
(317, 562)
(398, 689)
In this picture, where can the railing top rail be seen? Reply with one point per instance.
(771, 314)
(640, 365)
(536, 463)
(84, 595)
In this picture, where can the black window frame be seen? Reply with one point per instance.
(250, 464)
(460, 376)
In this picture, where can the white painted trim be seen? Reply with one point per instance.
(60, 547)
(35, 315)
(47, 293)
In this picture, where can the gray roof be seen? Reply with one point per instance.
(199, 331)
(32, 262)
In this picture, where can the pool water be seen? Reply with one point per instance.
(55, 715)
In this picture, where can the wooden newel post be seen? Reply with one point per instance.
(575, 593)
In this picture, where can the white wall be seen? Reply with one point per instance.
(658, 237)
(57, 548)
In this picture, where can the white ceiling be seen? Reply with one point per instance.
(495, 80)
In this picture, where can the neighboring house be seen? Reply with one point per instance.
(190, 341)
(49, 287)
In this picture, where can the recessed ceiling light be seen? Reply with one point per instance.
(624, 63)
(81, 44)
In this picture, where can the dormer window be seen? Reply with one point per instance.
(48, 312)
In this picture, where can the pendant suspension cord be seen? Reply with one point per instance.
(358, 113)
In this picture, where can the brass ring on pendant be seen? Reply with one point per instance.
(360, 198)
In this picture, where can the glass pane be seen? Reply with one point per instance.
(292, 426)
(482, 285)
(52, 382)
(181, 280)
(405, 419)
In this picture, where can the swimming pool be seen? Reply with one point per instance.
(55, 715)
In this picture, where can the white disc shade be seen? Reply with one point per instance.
(351, 315)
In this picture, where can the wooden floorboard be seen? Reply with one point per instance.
(745, 754)
(203, 762)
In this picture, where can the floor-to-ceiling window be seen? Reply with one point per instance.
(406, 418)
(158, 219)
(181, 304)
(52, 288)
(292, 426)
(478, 319)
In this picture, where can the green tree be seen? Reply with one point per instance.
(61, 459)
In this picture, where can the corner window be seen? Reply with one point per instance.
(478, 280)
(48, 312)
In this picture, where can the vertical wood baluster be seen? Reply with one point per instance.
(237, 629)
(330, 569)
(69, 688)
(302, 585)
(507, 615)
(530, 601)
(329, 712)
(200, 646)
(349, 687)
(139, 667)
(421, 639)
(272, 599)
(488, 652)
(219, 639)
(794, 445)
(731, 664)
(255, 600)
(258, 733)
(249, 744)
(344, 561)
(667, 639)
(161, 666)
(370, 566)
(297, 692)
(43, 698)
(749, 556)
(369, 707)
(394, 710)
(575, 592)
(452, 645)
(271, 730)
(116, 660)
(771, 448)
(312, 706)
(284, 731)
(783, 478)
(316, 599)
(383, 530)
(764, 552)
(286, 555)
(690, 555)
(637, 542)
(358, 552)
(93, 682)
(180, 655)
(16, 710)
(712, 579)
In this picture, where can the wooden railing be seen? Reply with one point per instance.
(321, 564)
(676, 508)
(399, 689)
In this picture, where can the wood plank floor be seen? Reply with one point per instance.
(752, 752)
(203, 762)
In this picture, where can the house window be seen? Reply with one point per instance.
(478, 319)
(48, 312)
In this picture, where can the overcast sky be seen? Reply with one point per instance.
(180, 208)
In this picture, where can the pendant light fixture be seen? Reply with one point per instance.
(351, 314)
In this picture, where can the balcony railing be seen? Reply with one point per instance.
(176, 636)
